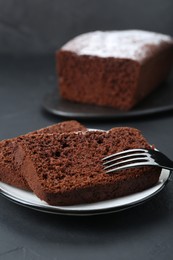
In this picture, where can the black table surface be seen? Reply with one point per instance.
(143, 232)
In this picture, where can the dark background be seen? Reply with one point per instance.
(30, 32)
(42, 26)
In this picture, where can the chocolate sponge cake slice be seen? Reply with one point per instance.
(67, 169)
(10, 172)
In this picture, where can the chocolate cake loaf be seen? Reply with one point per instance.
(10, 172)
(67, 169)
(113, 68)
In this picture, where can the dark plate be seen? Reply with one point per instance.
(161, 100)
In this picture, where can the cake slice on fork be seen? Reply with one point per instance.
(67, 169)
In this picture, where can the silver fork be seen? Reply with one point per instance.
(136, 158)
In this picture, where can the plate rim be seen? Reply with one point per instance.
(86, 212)
(81, 115)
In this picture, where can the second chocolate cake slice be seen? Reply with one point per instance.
(67, 169)
(10, 168)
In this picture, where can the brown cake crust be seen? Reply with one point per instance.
(10, 170)
(66, 169)
(113, 81)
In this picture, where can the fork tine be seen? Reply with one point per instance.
(131, 165)
(124, 152)
(127, 161)
(124, 157)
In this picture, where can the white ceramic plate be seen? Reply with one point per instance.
(28, 199)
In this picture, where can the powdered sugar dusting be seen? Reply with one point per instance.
(132, 44)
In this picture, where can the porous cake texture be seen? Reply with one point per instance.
(67, 169)
(10, 168)
(113, 68)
